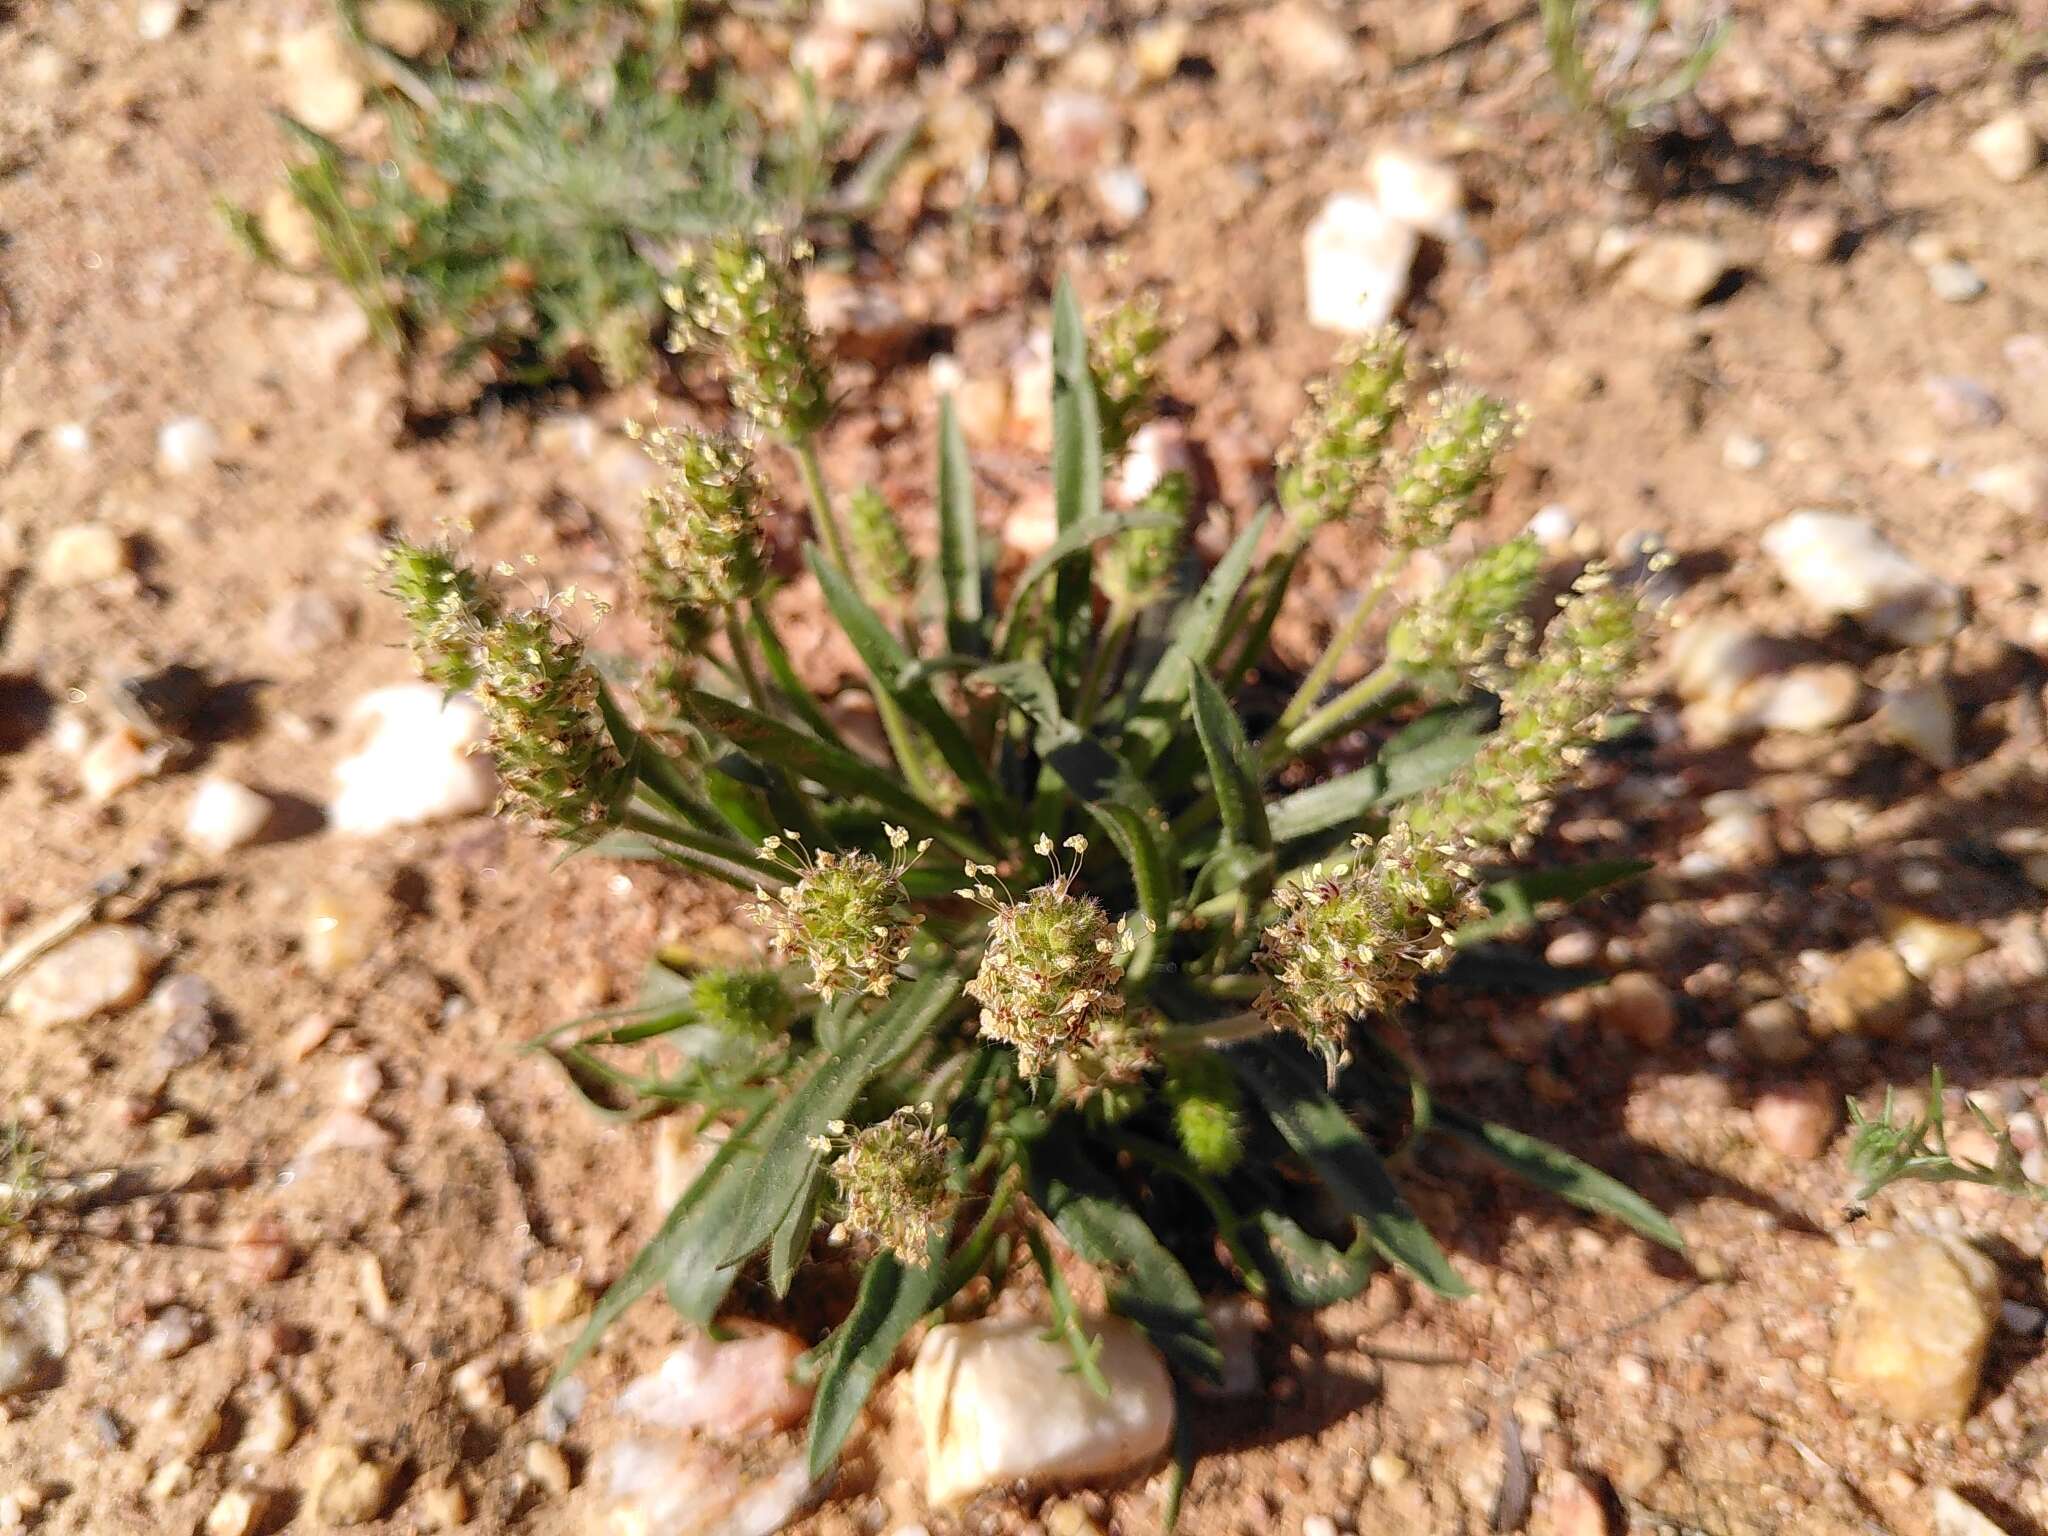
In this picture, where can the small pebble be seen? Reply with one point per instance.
(1743, 451)
(548, 1468)
(237, 1512)
(1121, 193)
(1772, 1034)
(1955, 282)
(272, 1426)
(554, 1304)
(412, 29)
(1920, 717)
(120, 760)
(1637, 1007)
(2008, 146)
(1358, 259)
(225, 815)
(420, 763)
(1679, 271)
(83, 554)
(101, 971)
(1797, 1121)
(444, 1507)
(1961, 403)
(183, 1006)
(322, 89)
(343, 1487)
(169, 1334)
(1419, 190)
(185, 445)
(156, 20)
(2020, 486)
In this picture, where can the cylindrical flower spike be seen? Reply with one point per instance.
(844, 915)
(1550, 710)
(1123, 357)
(892, 1179)
(882, 561)
(702, 552)
(745, 1001)
(1330, 470)
(557, 760)
(1051, 977)
(749, 304)
(1136, 565)
(1450, 471)
(1354, 939)
(1208, 1110)
(446, 608)
(1474, 618)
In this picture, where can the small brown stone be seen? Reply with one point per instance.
(1797, 1120)
(1869, 992)
(1637, 1007)
(1911, 1342)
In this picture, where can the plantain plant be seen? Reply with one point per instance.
(1106, 946)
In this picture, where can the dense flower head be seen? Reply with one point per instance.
(844, 914)
(882, 561)
(1208, 1110)
(746, 1001)
(892, 1179)
(1451, 468)
(1123, 357)
(1355, 938)
(445, 607)
(749, 305)
(1051, 977)
(1137, 564)
(701, 523)
(554, 755)
(1331, 468)
(1474, 617)
(1551, 708)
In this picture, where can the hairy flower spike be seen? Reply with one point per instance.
(1474, 617)
(844, 915)
(750, 305)
(446, 608)
(892, 1181)
(702, 552)
(552, 749)
(1450, 471)
(1550, 710)
(1123, 355)
(1051, 977)
(1331, 467)
(1354, 940)
(1208, 1110)
(882, 561)
(1136, 565)
(746, 1001)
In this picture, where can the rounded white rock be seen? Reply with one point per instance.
(225, 815)
(420, 763)
(1359, 258)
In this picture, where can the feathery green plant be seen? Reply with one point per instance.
(1894, 1147)
(1070, 960)
(523, 211)
(1611, 94)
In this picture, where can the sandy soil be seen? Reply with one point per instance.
(1705, 1402)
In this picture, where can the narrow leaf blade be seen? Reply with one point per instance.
(1537, 1162)
(960, 570)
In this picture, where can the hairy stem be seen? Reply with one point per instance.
(1341, 642)
(1109, 652)
(806, 450)
(1377, 689)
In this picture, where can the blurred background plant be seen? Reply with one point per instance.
(1624, 76)
(540, 168)
(1110, 944)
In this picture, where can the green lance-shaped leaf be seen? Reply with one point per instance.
(786, 1155)
(1066, 1326)
(960, 569)
(1318, 1130)
(787, 682)
(792, 1241)
(1307, 1271)
(1514, 900)
(685, 1226)
(1547, 1167)
(1145, 1282)
(1071, 542)
(1076, 465)
(1198, 631)
(1112, 792)
(1233, 769)
(833, 767)
(893, 1296)
(889, 665)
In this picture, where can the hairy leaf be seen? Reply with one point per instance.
(827, 1094)
(1547, 1167)
(960, 572)
(1076, 465)
(1196, 633)
(1316, 1127)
